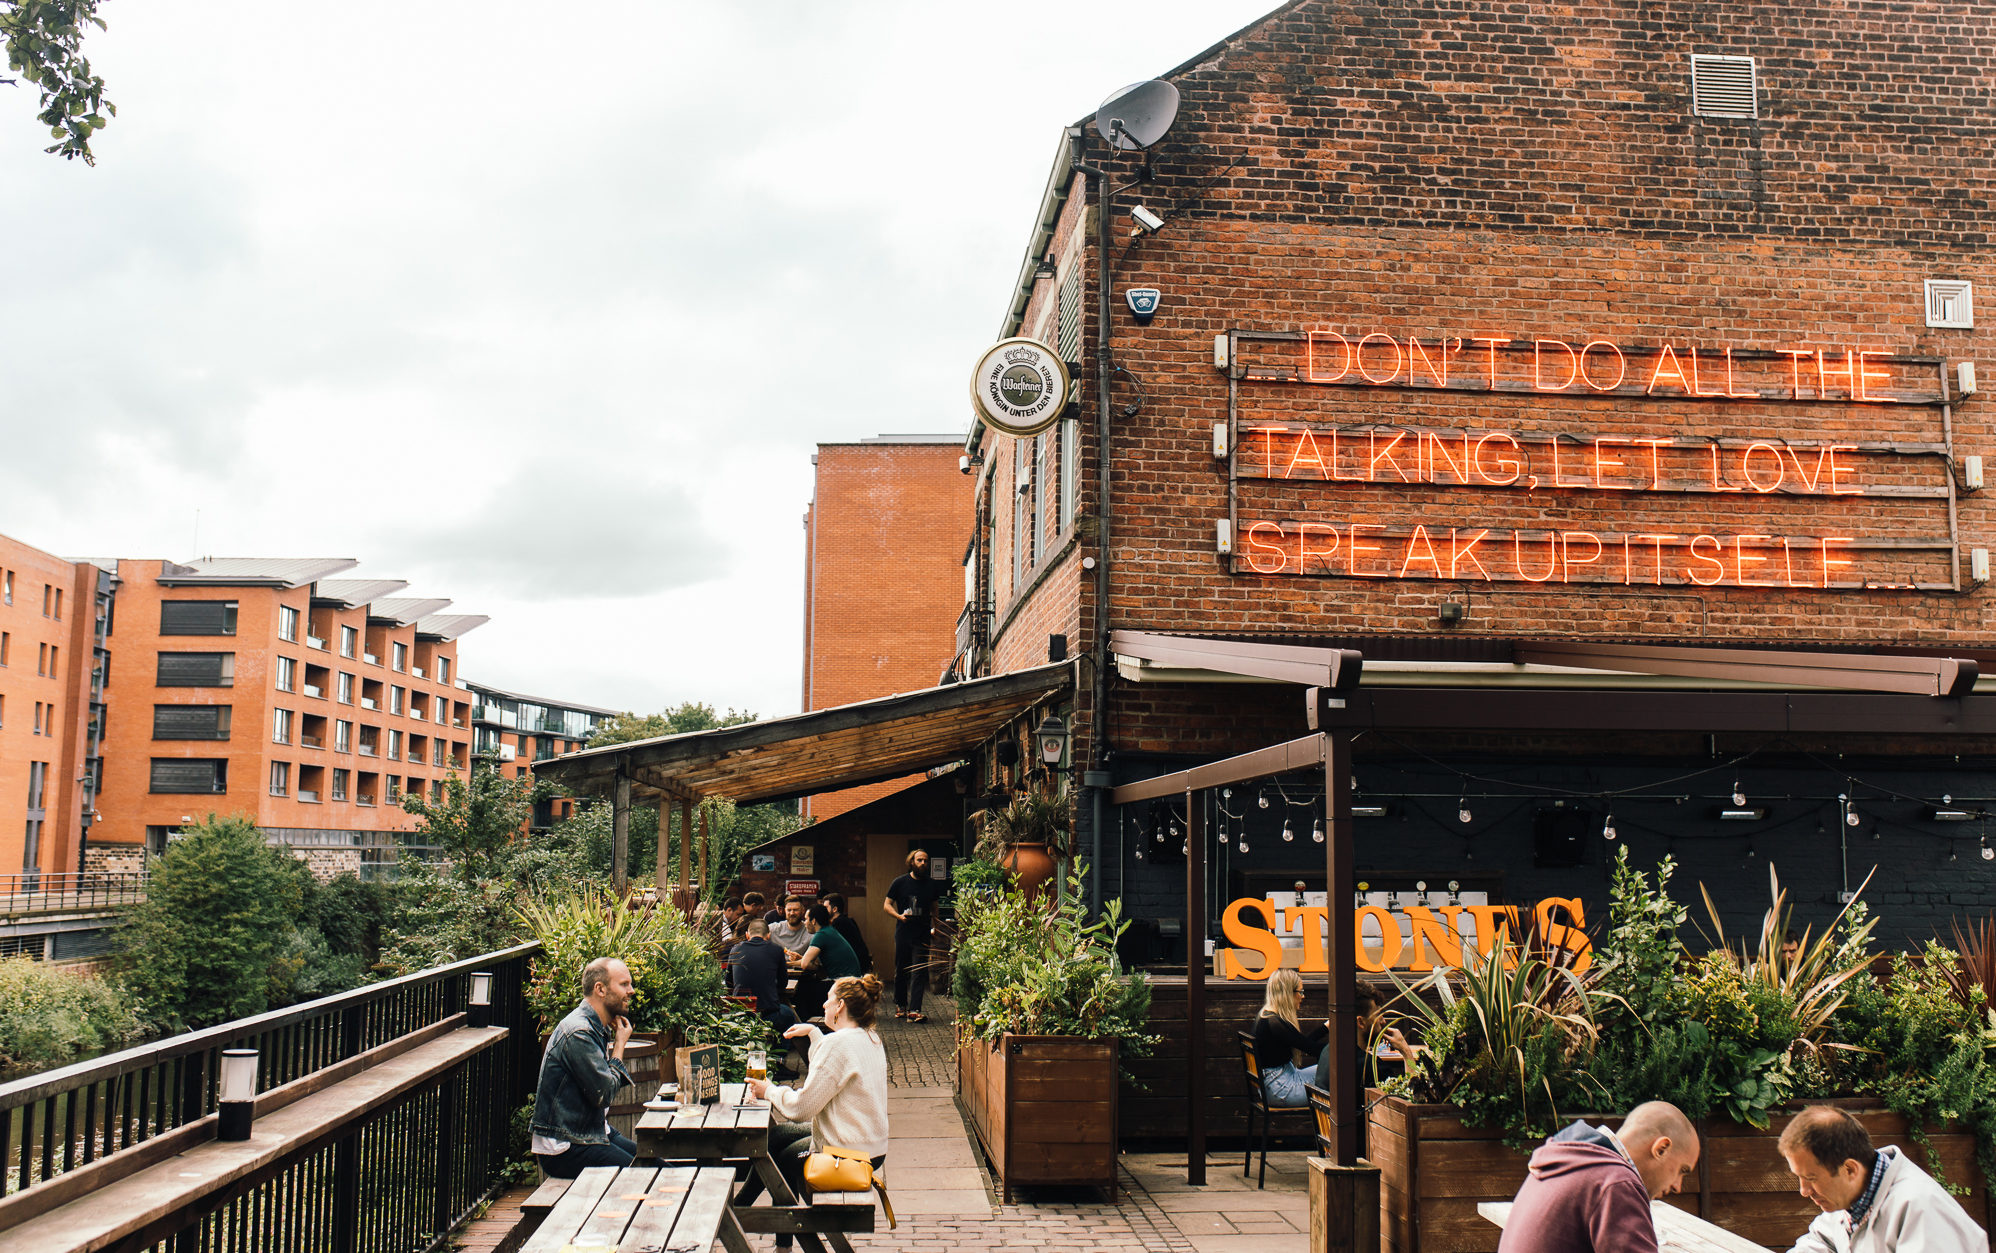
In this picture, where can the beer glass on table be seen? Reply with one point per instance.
(758, 1064)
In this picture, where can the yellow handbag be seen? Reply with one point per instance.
(842, 1170)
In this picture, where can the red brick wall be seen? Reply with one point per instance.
(28, 678)
(1463, 170)
(884, 578)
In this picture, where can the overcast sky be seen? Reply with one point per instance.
(542, 315)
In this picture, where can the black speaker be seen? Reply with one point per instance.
(1056, 648)
(1562, 835)
(1008, 752)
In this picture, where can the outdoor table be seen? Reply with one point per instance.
(1676, 1230)
(730, 1130)
(642, 1209)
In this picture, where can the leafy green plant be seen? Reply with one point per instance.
(673, 968)
(50, 1016)
(1040, 967)
(977, 876)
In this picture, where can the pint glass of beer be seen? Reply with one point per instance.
(758, 1064)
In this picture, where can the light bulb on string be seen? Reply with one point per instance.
(1739, 796)
(1988, 853)
(1140, 854)
(1185, 849)
(1316, 830)
(1262, 800)
(1608, 828)
(1953, 853)
(1462, 813)
(1243, 844)
(1288, 830)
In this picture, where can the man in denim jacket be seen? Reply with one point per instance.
(580, 1073)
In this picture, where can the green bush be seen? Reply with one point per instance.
(673, 966)
(1040, 966)
(50, 1016)
(215, 936)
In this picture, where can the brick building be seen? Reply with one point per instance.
(514, 731)
(270, 689)
(884, 566)
(1486, 337)
(51, 614)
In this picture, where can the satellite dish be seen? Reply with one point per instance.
(1138, 115)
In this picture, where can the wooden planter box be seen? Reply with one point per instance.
(1044, 1108)
(1433, 1171)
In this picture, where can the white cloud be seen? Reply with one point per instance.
(532, 306)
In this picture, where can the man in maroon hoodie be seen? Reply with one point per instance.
(1589, 1188)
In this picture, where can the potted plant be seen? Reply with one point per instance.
(1731, 1037)
(1029, 836)
(1045, 1017)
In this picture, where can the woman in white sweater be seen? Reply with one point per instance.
(843, 1102)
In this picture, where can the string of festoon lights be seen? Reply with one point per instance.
(1863, 805)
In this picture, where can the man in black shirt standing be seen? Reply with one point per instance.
(908, 902)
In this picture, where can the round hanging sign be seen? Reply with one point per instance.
(1019, 386)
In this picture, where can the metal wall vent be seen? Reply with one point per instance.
(1951, 303)
(1724, 86)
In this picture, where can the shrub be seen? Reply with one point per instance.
(50, 1016)
(677, 978)
(208, 942)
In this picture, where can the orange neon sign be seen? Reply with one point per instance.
(1451, 551)
(1378, 358)
(1758, 464)
(1437, 938)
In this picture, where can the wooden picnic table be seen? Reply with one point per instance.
(1677, 1231)
(642, 1209)
(736, 1129)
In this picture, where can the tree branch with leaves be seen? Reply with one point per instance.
(44, 40)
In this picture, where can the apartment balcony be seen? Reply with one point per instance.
(313, 641)
(310, 798)
(415, 713)
(368, 750)
(365, 798)
(419, 672)
(370, 659)
(313, 689)
(311, 741)
(368, 702)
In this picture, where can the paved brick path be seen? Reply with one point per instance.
(921, 1054)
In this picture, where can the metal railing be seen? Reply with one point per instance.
(392, 1180)
(43, 893)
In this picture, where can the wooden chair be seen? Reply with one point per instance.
(1258, 1103)
(1327, 1120)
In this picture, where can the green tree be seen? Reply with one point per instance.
(688, 716)
(44, 40)
(220, 913)
(476, 820)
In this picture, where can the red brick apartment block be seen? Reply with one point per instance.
(48, 611)
(513, 732)
(884, 567)
(272, 690)
(1545, 313)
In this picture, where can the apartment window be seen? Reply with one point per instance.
(58, 604)
(1022, 512)
(287, 623)
(37, 776)
(339, 785)
(394, 746)
(190, 722)
(394, 787)
(40, 709)
(196, 670)
(47, 588)
(399, 657)
(280, 778)
(10, 587)
(197, 617)
(6, 643)
(394, 699)
(190, 774)
(280, 726)
(287, 675)
(349, 640)
(1070, 470)
(442, 752)
(346, 689)
(437, 791)
(42, 660)
(3, 710)
(443, 671)
(1046, 486)
(342, 737)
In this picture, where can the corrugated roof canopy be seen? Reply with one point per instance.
(404, 611)
(353, 593)
(448, 626)
(821, 751)
(252, 571)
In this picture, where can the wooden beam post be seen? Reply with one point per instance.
(1344, 1207)
(1341, 949)
(686, 855)
(620, 835)
(706, 838)
(1195, 991)
(662, 877)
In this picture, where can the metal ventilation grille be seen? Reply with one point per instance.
(1724, 87)
(1950, 303)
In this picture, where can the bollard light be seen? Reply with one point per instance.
(481, 999)
(238, 1099)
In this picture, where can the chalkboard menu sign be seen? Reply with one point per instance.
(701, 1081)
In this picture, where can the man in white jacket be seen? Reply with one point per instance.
(1873, 1200)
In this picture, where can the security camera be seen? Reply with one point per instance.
(963, 465)
(1146, 220)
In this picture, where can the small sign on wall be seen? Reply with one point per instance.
(765, 862)
(939, 869)
(803, 859)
